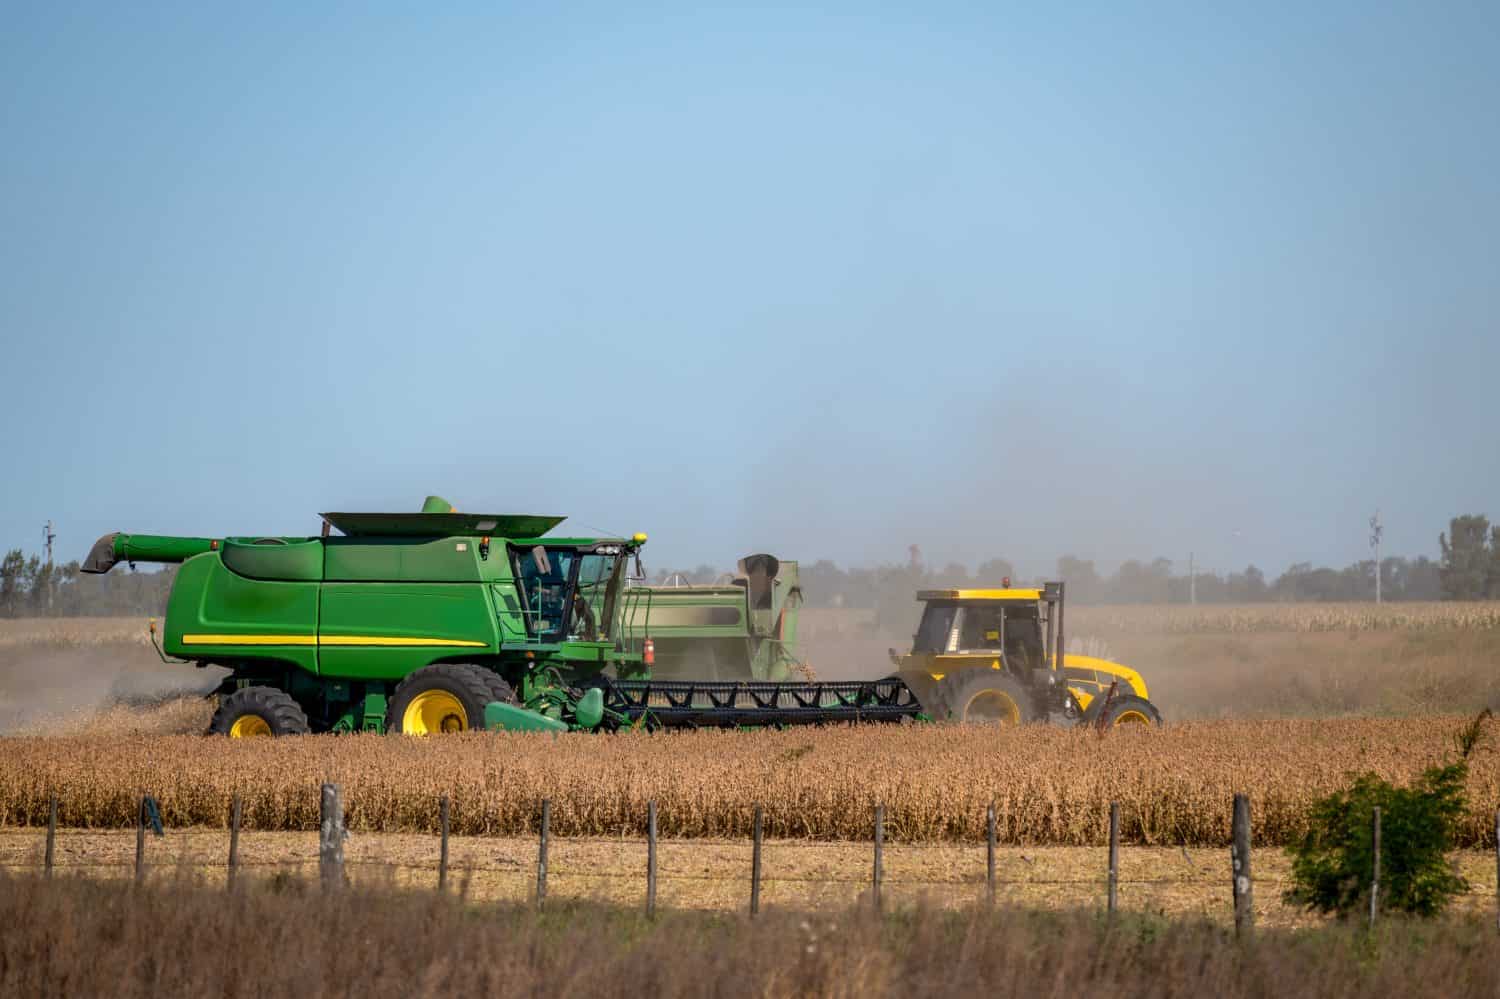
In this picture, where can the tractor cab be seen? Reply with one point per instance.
(997, 655)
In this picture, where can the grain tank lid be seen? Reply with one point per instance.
(441, 525)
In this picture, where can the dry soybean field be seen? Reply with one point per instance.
(1050, 786)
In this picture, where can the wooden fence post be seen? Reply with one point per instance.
(331, 837)
(651, 860)
(443, 851)
(51, 832)
(878, 874)
(1114, 855)
(1375, 873)
(755, 863)
(1239, 856)
(236, 807)
(140, 842)
(989, 877)
(541, 852)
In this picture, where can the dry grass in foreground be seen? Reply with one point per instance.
(82, 937)
(1050, 786)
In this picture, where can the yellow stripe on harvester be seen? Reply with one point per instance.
(329, 640)
(249, 640)
(376, 640)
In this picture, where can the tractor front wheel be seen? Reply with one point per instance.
(258, 711)
(441, 698)
(986, 697)
(1125, 709)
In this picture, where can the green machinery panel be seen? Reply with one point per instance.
(299, 559)
(435, 560)
(386, 630)
(217, 614)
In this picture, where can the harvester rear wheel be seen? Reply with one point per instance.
(441, 698)
(985, 697)
(1125, 709)
(258, 711)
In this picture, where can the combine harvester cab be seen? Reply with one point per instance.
(997, 656)
(740, 628)
(421, 623)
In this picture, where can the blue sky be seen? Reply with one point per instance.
(994, 280)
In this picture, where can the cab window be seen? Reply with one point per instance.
(982, 629)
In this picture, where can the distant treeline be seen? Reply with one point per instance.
(1469, 569)
(29, 587)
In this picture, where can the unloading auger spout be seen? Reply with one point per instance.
(115, 548)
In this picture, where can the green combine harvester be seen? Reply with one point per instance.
(441, 621)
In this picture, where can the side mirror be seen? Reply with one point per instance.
(539, 556)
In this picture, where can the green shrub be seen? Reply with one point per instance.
(1333, 865)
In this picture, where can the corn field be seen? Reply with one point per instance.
(1049, 786)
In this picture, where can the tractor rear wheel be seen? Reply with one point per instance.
(258, 711)
(1125, 709)
(985, 697)
(441, 698)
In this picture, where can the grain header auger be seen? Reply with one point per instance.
(739, 627)
(442, 621)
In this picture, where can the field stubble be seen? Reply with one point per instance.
(714, 875)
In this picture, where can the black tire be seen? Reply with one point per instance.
(258, 711)
(985, 697)
(1125, 709)
(443, 697)
(499, 689)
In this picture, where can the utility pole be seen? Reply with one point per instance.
(1192, 581)
(49, 537)
(1376, 530)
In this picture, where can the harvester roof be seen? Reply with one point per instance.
(439, 525)
(978, 595)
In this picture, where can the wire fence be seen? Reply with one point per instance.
(970, 871)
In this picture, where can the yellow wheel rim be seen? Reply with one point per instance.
(249, 727)
(433, 712)
(992, 707)
(1132, 718)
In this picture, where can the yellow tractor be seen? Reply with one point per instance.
(996, 656)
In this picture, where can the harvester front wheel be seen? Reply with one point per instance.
(1125, 709)
(499, 689)
(986, 697)
(258, 711)
(441, 698)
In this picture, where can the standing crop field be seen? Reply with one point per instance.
(1050, 786)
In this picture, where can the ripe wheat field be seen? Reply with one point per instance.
(1049, 786)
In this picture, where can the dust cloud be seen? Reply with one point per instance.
(57, 689)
